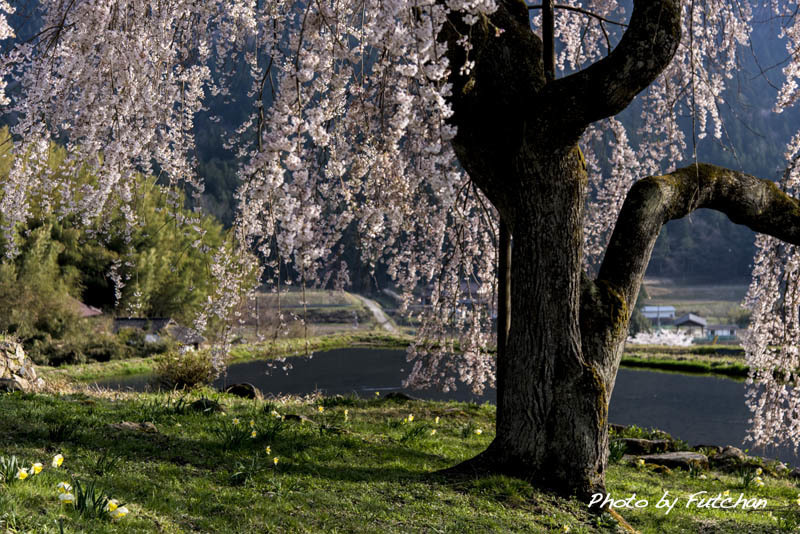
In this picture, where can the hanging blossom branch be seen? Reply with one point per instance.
(358, 136)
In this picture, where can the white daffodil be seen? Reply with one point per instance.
(119, 513)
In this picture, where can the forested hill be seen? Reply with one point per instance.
(703, 248)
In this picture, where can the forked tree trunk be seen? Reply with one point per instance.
(517, 137)
(518, 131)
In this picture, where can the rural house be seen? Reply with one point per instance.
(691, 324)
(722, 330)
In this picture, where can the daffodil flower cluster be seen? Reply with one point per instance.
(23, 473)
(112, 507)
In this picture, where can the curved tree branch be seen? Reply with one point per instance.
(607, 87)
(651, 202)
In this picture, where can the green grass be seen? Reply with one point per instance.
(732, 369)
(365, 472)
(725, 360)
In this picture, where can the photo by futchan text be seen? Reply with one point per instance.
(701, 499)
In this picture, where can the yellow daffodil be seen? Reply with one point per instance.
(410, 417)
(320, 409)
(346, 414)
(112, 505)
(269, 449)
(22, 474)
(67, 498)
(57, 460)
(565, 528)
(759, 471)
(436, 421)
(758, 482)
(377, 393)
(640, 462)
(478, 431)
(235, 421)
(798, 499)
(36, 468)
(119, 513)
(275, 460)
(274, 413)
(702, 477)
(726, 493)
(253, 434)
(433, 432)
(252, 423)
(64, 487)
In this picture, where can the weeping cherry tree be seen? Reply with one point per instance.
(441, 131)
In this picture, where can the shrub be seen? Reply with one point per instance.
(185, 370)
(616, 450)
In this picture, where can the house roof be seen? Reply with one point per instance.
(81, 309)
(658, 308)
(690, 319)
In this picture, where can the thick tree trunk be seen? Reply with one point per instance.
(552, 424)
(518, 129)
(552, 427)
(517, 137)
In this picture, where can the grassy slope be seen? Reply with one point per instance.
(374, 474)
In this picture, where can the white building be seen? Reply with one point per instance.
(659, 312)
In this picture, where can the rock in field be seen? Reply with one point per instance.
(16, 369)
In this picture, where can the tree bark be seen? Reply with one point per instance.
(517, 134)
(517, 138)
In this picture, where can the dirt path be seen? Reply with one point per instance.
(382, 319)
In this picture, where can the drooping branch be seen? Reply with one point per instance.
(757, 203)
(607, 87)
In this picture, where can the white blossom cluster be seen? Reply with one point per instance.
(6, 32)
(772, 342)
(671, 338)
(357, 139)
